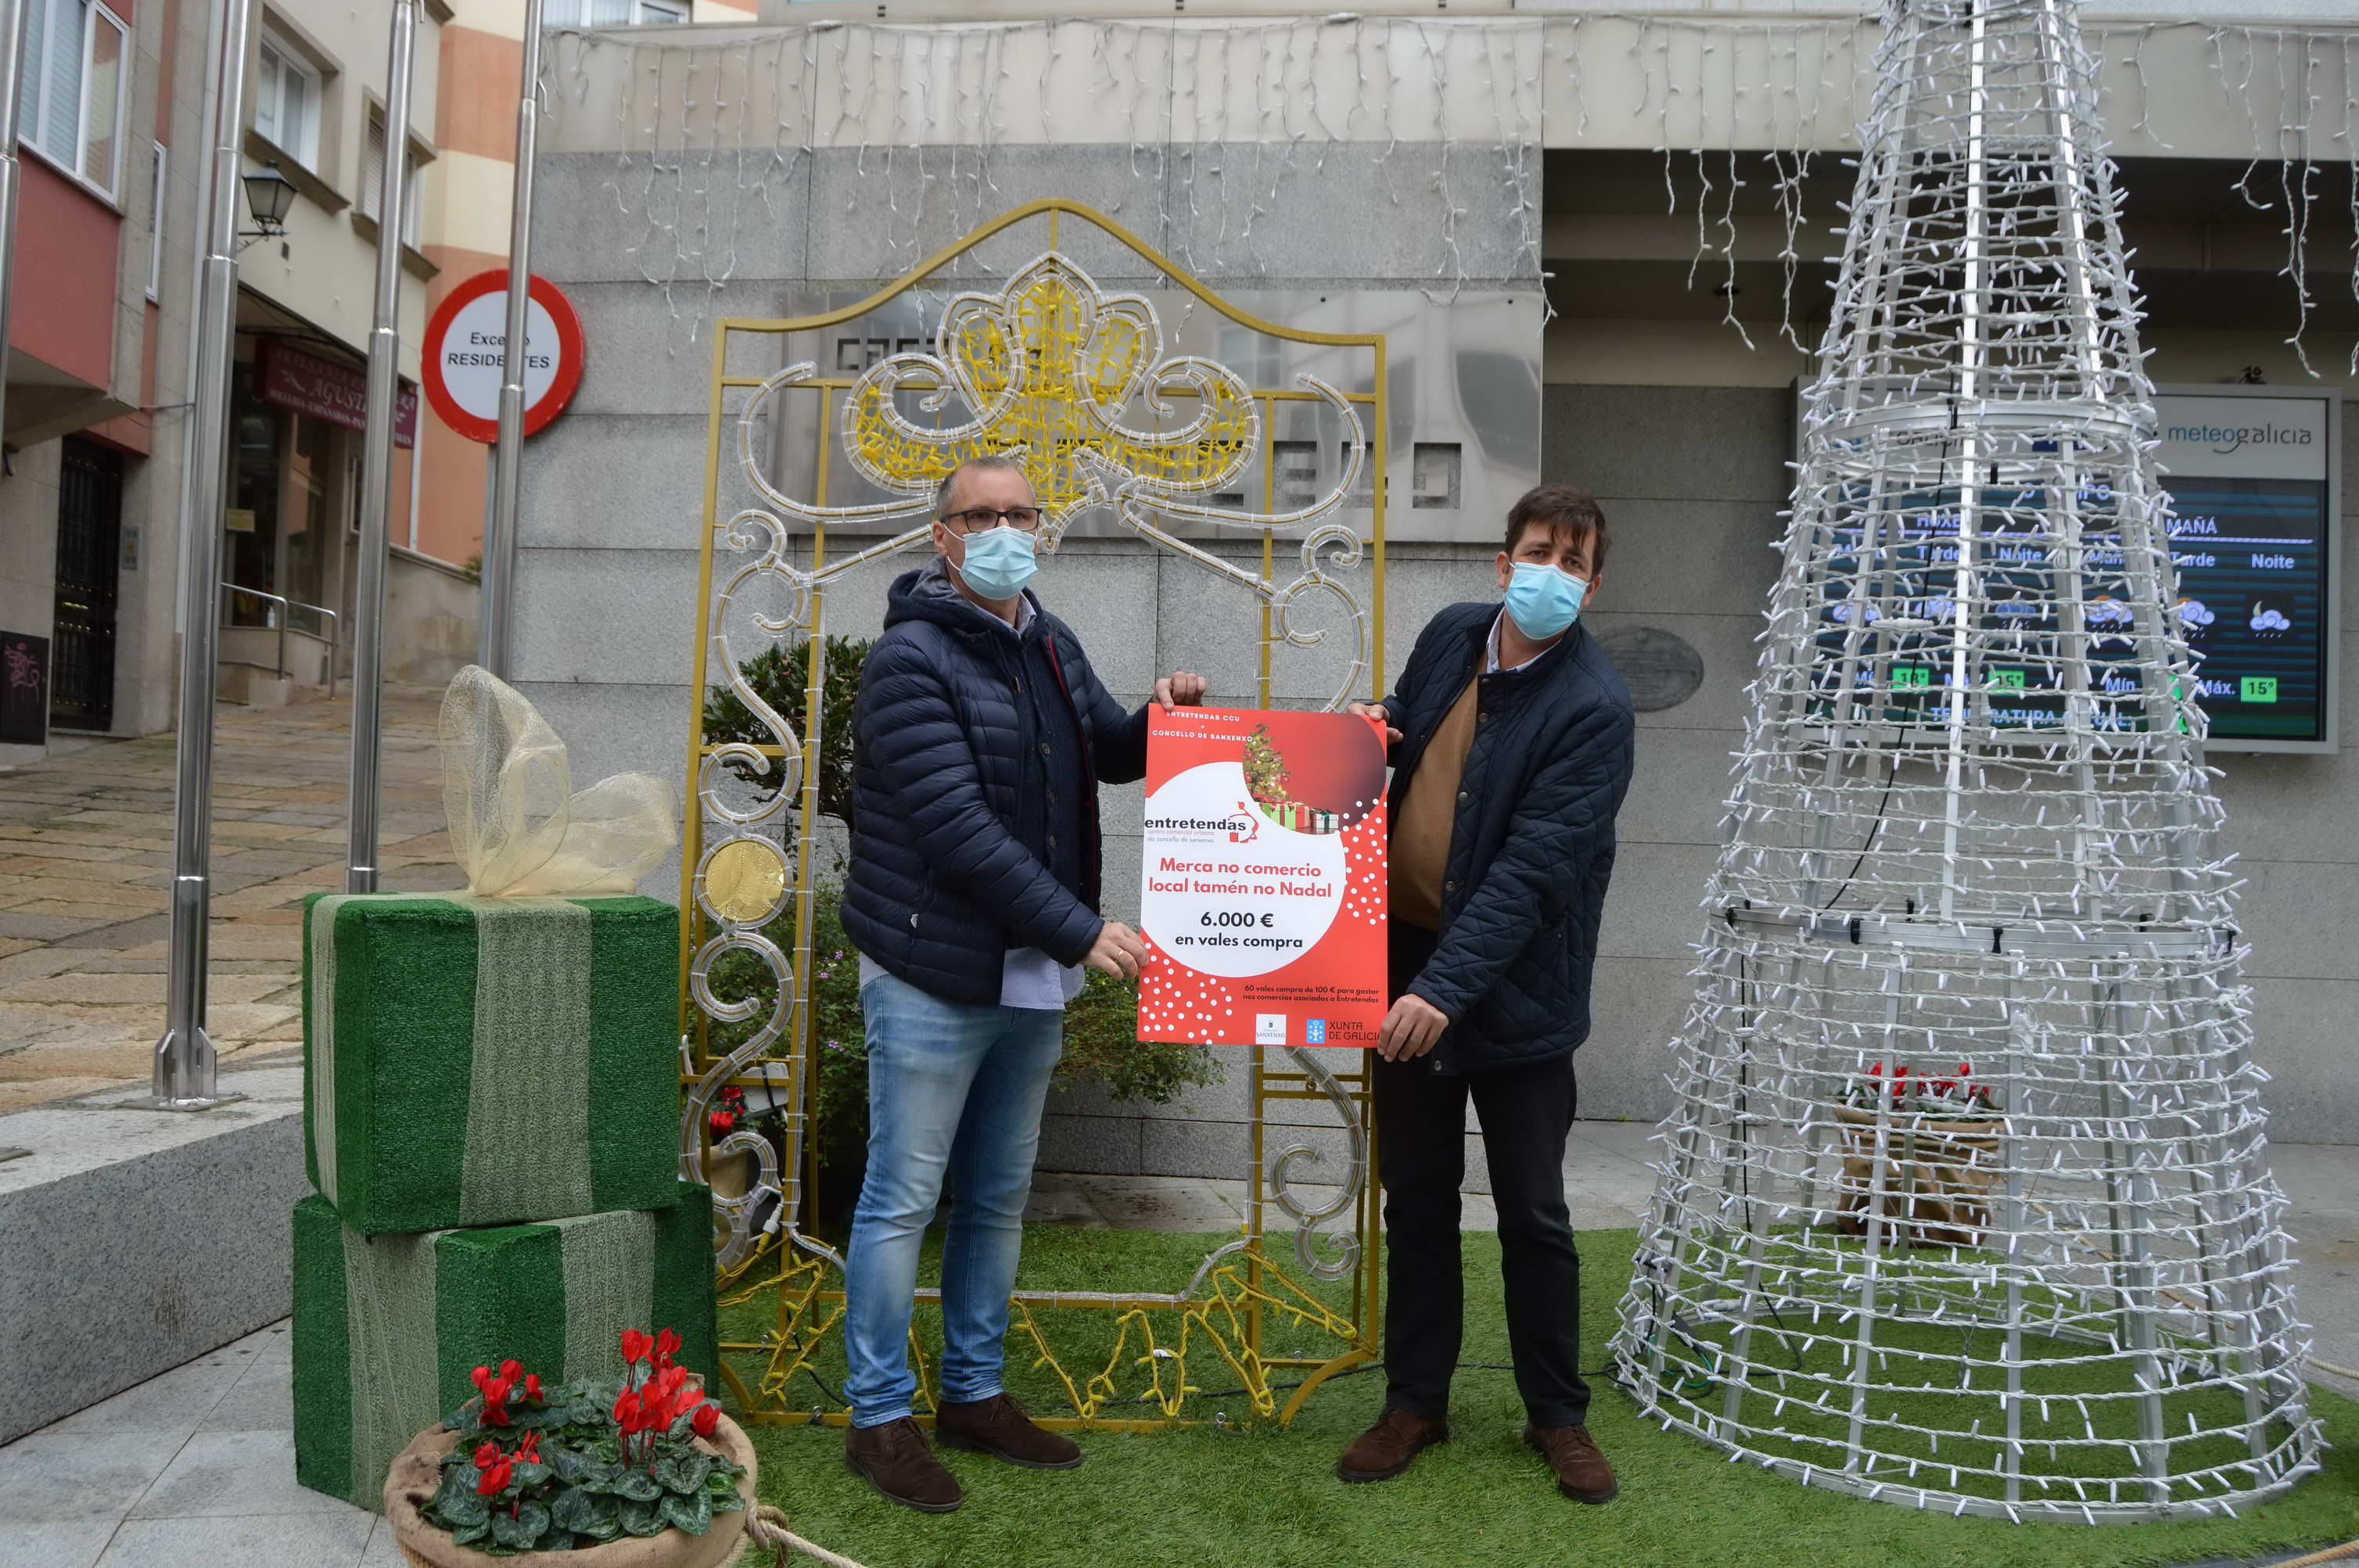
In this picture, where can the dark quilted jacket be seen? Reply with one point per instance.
(948, 843)
(1532, 847)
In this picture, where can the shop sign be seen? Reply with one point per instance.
(325, 390)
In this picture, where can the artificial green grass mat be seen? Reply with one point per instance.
(1263, 1497)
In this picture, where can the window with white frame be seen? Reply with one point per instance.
(155, 218)
(613, 13)
(373, 178)
(72, 88)
(287, 103)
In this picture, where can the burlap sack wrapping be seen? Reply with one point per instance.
(418, 1471)
(1937, 1173)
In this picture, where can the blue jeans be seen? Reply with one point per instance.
(955, 1089)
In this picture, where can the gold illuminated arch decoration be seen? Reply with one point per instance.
(1071, 379)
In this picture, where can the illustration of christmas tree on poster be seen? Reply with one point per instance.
(1262, 878)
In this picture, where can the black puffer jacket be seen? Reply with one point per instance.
(951, 828)
(1532, 848)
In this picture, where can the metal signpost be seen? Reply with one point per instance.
(498, 587)
(376, 459)
(185, 1059)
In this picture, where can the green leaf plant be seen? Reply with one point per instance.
(584, 1462)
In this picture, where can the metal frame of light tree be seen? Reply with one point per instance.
(1012, 363)
(1971, 835)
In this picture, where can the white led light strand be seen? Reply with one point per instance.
(929, 109)
(1963, 1203)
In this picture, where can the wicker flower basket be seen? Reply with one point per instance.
(416, 1474)
(1936, 1177)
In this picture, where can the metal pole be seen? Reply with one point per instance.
(13, 16)
(376, 458)
(498, 588)
(185, 1059)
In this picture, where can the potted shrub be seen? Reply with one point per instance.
(1941, 1154)
(639, 1472)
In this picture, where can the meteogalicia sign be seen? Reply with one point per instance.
(465, 343)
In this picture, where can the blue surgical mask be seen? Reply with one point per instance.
(1541, 600)
(998, 562)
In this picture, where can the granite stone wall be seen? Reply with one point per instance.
(1692, 478)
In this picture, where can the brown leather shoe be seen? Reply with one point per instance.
(1385, 1449)
(1582, 1472)
(998, 1426)
(894, 1458)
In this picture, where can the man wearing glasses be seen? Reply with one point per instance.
(979, 742)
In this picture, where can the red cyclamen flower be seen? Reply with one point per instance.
(532, 1385)
(487, 1455)
(635, 1346)
(494, 1480)
(667, 1346)
(707, 1417)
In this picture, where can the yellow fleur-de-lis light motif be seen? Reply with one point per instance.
(1048, 368)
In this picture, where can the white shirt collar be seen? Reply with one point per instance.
(1491, 648)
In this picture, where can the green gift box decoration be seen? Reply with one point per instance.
(388, 1328)
(481, 1060)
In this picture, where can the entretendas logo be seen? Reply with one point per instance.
(2225, 438)
(1242, 825)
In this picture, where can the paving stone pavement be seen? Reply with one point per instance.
(86, 872)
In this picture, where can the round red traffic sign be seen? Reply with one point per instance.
(464, 347)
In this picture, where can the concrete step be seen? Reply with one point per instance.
(259, 686)
(140, 1239)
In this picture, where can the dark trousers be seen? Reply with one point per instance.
(1526, 1114)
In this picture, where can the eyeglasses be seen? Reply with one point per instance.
(974, 519)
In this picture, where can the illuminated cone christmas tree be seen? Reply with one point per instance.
(1964, 1202)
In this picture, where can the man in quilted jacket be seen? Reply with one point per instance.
(1511, 742)
(980, 740)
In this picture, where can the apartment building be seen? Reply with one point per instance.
(481, 67)
(90, 471)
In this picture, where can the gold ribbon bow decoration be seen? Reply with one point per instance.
(518, 828)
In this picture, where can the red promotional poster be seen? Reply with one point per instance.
(1262, 878)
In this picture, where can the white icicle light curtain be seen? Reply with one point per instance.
(2042, 1275)
(518, 826)
(713, 141)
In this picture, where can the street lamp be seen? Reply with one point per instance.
(268, 195)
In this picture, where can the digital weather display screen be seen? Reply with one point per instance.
(2251, 503)
(2251, 536)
